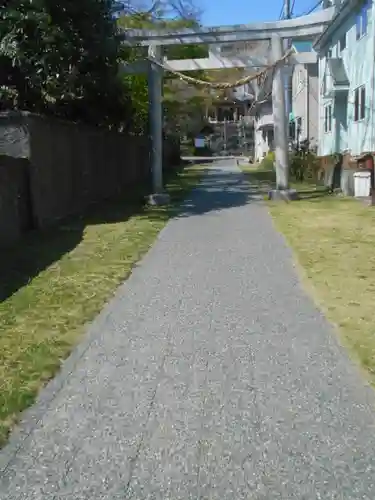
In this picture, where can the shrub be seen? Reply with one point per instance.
(304, 164)
(268, 161)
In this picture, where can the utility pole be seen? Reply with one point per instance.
(287, 77)
(282, 190)
(287, 12)
(155, 90)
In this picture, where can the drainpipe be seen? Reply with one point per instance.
(373, 91)
(372, 190)
(307, 103)
(287, 44)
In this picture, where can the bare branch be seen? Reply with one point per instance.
(184, 9)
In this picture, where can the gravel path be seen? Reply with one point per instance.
(210, 375)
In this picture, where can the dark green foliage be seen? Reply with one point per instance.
(61, 57)
(176, 110)
(304, 164)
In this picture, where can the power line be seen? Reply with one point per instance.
(292, 8)
(311, 10)
(315, 7)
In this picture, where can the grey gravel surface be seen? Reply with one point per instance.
(210, 375)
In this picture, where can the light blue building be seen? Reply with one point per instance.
(346, 52)
(304, 116)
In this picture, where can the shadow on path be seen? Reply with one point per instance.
(219, 190)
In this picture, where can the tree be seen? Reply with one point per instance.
(180, 101)
(62, 58)
(169, 9)
(185, 104)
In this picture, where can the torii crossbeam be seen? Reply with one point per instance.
(304, 27)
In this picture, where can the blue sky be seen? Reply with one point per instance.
(222, 12)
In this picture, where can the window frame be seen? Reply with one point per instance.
(359, 104)
(361, 21)
(342, 43)
(328, 118)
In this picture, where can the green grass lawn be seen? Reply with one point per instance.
(333, 240)
(53, 283)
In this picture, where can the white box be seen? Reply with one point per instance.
(362, 184)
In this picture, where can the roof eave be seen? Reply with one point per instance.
(342, 13)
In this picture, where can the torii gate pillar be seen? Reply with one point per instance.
(155, 90)
(280, 125)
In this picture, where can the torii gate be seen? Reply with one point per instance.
(304, 27)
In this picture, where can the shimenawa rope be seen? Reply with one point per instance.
(219, 85)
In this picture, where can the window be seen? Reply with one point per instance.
(328, 118)
(359, 103)
(329, 54)
(362, 19)
(292, 130)
(342, 43)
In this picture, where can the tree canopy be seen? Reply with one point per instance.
(61, 58)
(64, 58)
(175, 107)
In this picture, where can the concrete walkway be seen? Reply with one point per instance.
(211, 375)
